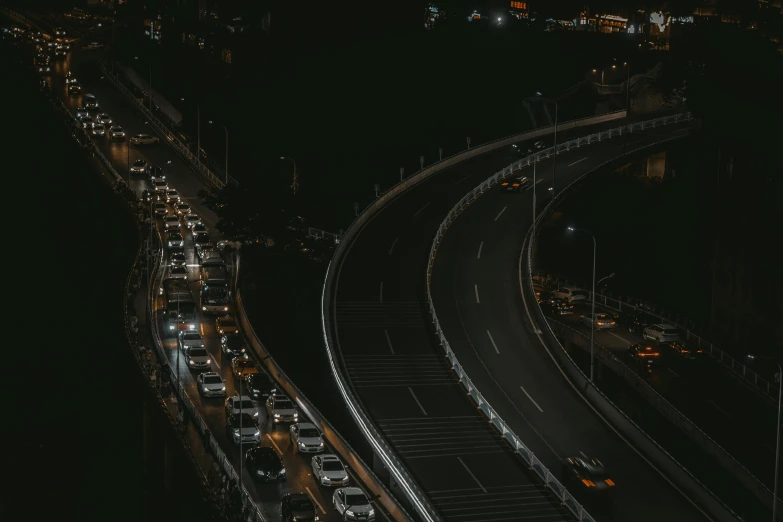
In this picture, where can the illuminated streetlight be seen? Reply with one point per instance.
(593, 71)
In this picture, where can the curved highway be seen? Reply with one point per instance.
(85, 67)
(481, 312)
(398, 371)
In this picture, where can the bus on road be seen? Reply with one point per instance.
(214, 290)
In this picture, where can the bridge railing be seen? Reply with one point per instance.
(380, 445)
(168, 135)
(764, 386)
(514, 440)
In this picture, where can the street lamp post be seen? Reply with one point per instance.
(627, 102)
(779, 379)
(295, 184)
(225, 129)
(592, 310)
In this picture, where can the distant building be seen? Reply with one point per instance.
(603, 23)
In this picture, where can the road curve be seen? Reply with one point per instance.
(397, 369)
(481, 312)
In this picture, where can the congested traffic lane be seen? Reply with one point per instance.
(299, 475)
(703, 391)
(476, 294)
(400, 374)
(298, 472)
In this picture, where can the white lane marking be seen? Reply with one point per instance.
(531, 399)
(417, 401)
(275, 445)
(481, 245)
(312, 497)
(393, 243)
(475, 287)
(620, 337)
(493, 342)
(501, 213)
(471, 474)
(577, 161)
(381, 291)
(673, 372)
(388, 340)
(721, 409)
(461, 180)
(583, 454)
(422, 209)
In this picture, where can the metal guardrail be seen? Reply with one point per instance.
(514, 440)
(380, 445)
(332, 436)
(164, 131)
(767, 388)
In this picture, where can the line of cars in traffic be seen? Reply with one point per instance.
(659, 340)
(256, 390)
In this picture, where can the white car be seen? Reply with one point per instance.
(281, 409)
(600, 320)
(116, 133)
(352, 504)
(98, 129)
(144, 139)
(233, 404)
(189, 340)
(104, 118)
(211, 384)
(139, 167)
(178, 272)
(198, 358)
(306, 438)
(175, 240)
(172, 196)
(160, 209)
(171, 222)
(570, 294)
(94, 45)
(329, 470)
(192, 220)
(661, 333)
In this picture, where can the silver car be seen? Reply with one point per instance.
(98, 130)
(192, 220)
(117, 133)
(160, 209)
(329, 470)
(211, 384)
(245, 404)
(171, 222)
(241, 427)
(306, 438)
(175, 240)
(198, 358)
(104, 118)
(172, 196)
(281, 409)
(352, 504)
(599, 320)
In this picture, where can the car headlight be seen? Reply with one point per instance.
(257, 433)
(301, 444)
(204, 308)
(296, 414)
(349, 512)
(206, 390)
(190, 361)
(236, 431)
(209, 361)
(277, 415)
(255, 414)
(223, 388)
(225, 309)
(282, 471)
(321, 445)
(372, 512)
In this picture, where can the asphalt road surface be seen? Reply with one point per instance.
(399, 371)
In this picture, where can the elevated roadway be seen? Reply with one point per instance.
(85, 66)
(398, 371)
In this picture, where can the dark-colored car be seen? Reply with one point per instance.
(685, 349)
(232, 345)
(557, 306)
(260, 386)
(643, 351)
(264, 464)
(297, 507)
(588, 474)
(515, 185)
(638, 321)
